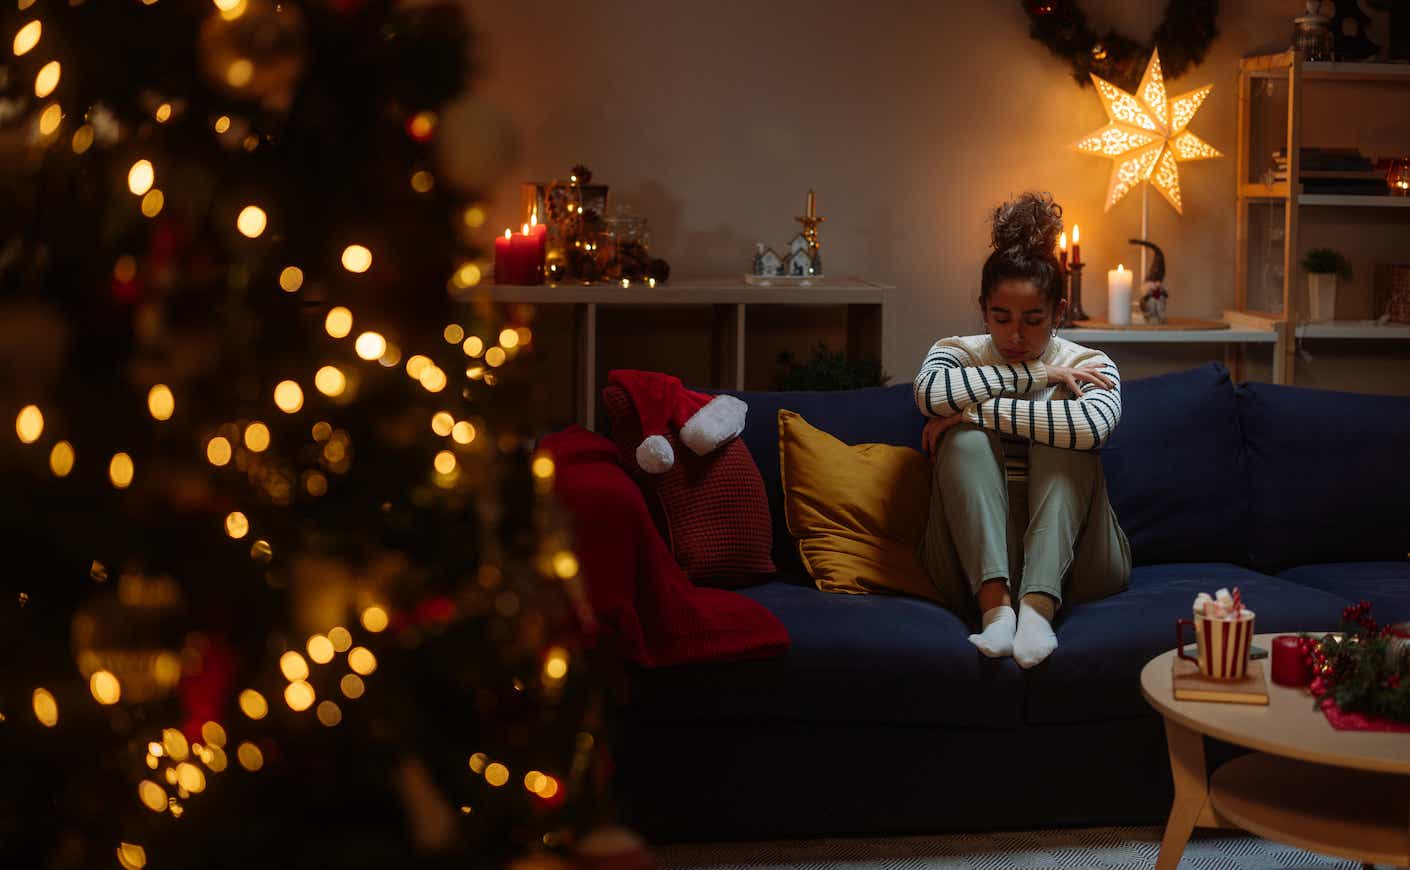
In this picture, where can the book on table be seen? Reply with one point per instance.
(1191, 685)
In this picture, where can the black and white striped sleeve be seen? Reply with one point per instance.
(1084, 423)
(948, 383)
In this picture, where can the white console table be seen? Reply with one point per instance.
(870, 315)
(1240, 332)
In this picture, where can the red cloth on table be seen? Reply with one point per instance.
(646, 607)
(1344, 721)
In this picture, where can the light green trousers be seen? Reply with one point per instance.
(1057, 534)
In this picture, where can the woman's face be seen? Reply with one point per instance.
(1019, 319)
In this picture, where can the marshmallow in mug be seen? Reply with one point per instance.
(1219, 606)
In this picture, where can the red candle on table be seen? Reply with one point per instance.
(501, 259)
(1289, 666)
(1076, 248)
(524, 262)
(539, 232)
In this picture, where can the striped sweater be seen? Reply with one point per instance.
(967, 375)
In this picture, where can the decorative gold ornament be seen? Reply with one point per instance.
(1146, 136)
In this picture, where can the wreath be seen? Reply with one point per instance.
(1183, 38)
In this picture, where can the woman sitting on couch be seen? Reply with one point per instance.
(1019, 403)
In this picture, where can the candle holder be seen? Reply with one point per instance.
(1074, 311)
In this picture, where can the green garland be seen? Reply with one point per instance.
(1358, 671)
(1183, 37)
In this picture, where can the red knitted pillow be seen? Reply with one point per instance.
(712, 509)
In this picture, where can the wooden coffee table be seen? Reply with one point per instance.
(1342, 793)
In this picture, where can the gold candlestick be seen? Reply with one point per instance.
(810, 223)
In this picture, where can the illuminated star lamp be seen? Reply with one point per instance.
(1146, 136)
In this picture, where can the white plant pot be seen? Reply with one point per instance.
(1322, 296)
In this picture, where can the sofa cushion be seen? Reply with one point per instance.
(1102, 645)
(858, 513)
(1385, 584)
(1329, 480)
(1174, 469)
(711, 509)
(854, 658)
(876, 415)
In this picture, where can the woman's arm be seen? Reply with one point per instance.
(1075, 424)
(948, 385)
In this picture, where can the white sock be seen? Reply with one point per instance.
(996, 640)
(1034, 641)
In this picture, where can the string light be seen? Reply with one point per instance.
(361, 660)
(105, 687)
(473, 346)
(339, 322)
(320, 649)
(29, 424)
(565, 565)
(237, 525)
(28, 37)
(239, 73)
(463, 432)
(120, 470)
(474, 217)
(253, 704)
(50, 118)
(417, 364)
(442, 423)
(433, 379)
(218, 451)
(61, 459)
(160, 402)
(445, 462)
(299, 695)
(495, 357)
(374, 619)
(293, 666)
(329, 713)
(141, 177)
(82, 139)
(257, 437)
(288, 396)
(47, 80)
(163, 113)
(251, 221)
(468, 275)
(542, 467)
(370, 345)
(352, 686)
(357, 259)
(330, 381)
(509, 339)
(46, 709)
(222, 124)
(291, 279)
(496, 774)
(453, 333)
(422, 181)
(340, 638)
(152, 796)
(250, 756)
(131, 856)
(152, 203)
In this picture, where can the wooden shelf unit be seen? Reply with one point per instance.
(1289, 67)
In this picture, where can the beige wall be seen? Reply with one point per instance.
(910, 119)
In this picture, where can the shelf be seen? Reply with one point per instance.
(1373, 201)
(1170, 336)
(1264, 191)
(689, 291)
(1276, 66)
(1354, 329)
(1393, 72)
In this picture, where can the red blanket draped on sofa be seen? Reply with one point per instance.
(647, 610)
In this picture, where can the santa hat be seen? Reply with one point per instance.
(663, 403)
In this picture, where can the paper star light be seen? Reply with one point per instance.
(1146, 137)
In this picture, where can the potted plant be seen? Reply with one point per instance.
(1323, 267)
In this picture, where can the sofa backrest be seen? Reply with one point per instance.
(1175, 468)
(876, 415)
(1329, 475)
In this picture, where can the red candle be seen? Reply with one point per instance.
(540, 233)
(1076, 248)
(1289, 666)
(1062, 250)
(524, 262)
(501, 259)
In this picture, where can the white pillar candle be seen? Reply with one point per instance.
(1118, 295)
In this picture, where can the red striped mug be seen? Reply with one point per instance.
(1222, 644)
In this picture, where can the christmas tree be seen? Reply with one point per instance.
(286, 586)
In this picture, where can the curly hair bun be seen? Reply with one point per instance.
(1027, 224)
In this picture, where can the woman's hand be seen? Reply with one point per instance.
(1071, 377)
(936, 427)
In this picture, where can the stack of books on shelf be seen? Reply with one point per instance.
(1340, 171)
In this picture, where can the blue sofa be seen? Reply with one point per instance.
(882, 718)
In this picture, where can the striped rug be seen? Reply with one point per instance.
(1124, 848)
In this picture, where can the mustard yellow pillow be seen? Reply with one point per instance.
(858, 512)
